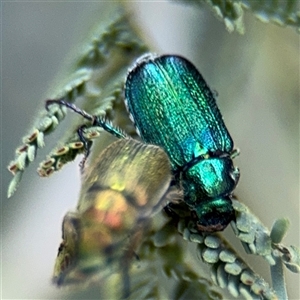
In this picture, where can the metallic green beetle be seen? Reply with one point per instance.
(172, 107)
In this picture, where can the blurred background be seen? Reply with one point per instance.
(255, 75)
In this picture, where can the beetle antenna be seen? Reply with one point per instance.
(96, 121)
(72, 107)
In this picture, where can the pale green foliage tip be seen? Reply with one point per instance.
(113, 48)
(231, 12)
